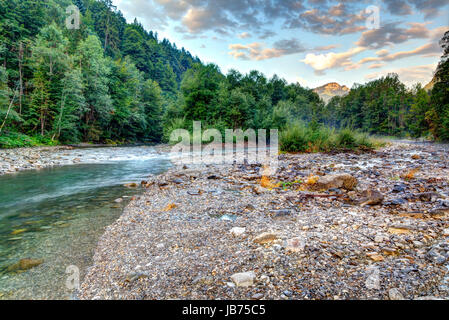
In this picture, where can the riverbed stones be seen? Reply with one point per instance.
(243, 279)
(339, 234)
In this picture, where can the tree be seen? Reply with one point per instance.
(439, 115)
(419, 112)
(7, 112)
(50, 64)
(200, 86)
(95, 70)
(152, 102)
(72, 105)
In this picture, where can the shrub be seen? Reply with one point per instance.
(346, 139)
(316, 138)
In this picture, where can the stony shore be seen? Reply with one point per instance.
(379, 231)
(22, 159)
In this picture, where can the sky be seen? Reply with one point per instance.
(312, 42)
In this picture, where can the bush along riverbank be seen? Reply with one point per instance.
(359, 225)
(300, 137)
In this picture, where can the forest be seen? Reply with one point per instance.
(115, 82)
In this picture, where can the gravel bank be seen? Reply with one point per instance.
(14, 160)
(20, 159)
(194, 229)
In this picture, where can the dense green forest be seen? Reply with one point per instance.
(111, 81)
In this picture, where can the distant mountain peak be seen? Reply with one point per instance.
(330, 90)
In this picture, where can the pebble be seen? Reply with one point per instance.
(243, 279)
(265, 237)
(395, 294)
(237, 231)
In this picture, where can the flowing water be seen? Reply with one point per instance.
(58, 215)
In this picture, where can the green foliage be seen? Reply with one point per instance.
(439, 115)
(346, 139)
(298, 137)
(19, 140)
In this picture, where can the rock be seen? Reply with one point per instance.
(399, 188)
(446, 232)
(281, 213)
(135, 276)
(18, 231)
(371, 197)
(295, 244)
(375, 256)
(395, 294)
(244, 279)
(194, 192)
(345, 181)
(25, 264)
(287, 293)
(427, 196)
(237, 231)
(416, 157)
(265, 237)
(119, 200)
(257, 296)
(373, 278)
(259, 190)
(380, 238)
(131, 185)
(396, 202)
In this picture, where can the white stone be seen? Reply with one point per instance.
(243, 279)
(373, 278)
(237, 231)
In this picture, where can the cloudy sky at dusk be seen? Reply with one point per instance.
(312, 42)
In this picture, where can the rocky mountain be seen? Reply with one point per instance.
(330, 90)
(430, 85)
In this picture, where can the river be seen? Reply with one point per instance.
(58, 215)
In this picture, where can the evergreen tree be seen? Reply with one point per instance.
(95, 71)
(72, 105)
(439, 116)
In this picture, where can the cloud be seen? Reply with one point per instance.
(377, 66)
(398, 7)
(317, 16)
(390, 34)
(410, 75)
(326, 48)
(257, 51)
(430, 49)
(244, 35)
(334, 20)
(331, 60)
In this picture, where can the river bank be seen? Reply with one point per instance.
(36, 158)
(217, 232)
